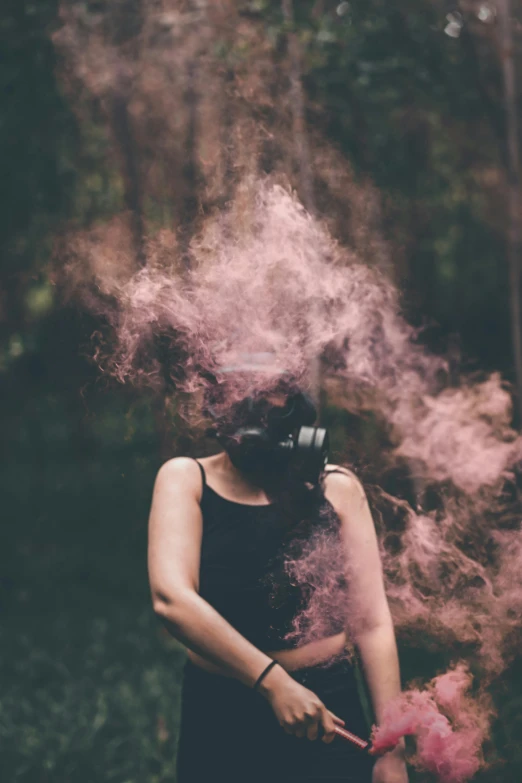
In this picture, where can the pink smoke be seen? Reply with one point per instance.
(266, 278)
(462, 434)
(319, 566)
(448, 725)
(263, 277)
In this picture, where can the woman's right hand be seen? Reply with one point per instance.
(299, 711)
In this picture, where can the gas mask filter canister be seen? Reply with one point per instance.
(279, 439)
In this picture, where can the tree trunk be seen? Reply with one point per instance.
(133, 192)
(191, 174)
(514, 238)
(302, 156)
(297, 103)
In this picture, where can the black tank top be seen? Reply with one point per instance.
(242, 551)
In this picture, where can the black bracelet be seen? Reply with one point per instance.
(263, 674)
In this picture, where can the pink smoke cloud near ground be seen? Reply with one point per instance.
(448, 725)
(265, 277)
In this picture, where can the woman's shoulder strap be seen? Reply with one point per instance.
(203, 474)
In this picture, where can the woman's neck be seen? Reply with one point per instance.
(235, 481)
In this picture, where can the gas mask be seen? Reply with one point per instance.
(273, 441)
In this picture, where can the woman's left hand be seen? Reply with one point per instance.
(390, 768)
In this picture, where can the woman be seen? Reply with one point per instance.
(262, 690)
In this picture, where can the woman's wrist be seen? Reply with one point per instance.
(272, 680)
(266, 671)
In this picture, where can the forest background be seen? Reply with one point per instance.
(397, 123)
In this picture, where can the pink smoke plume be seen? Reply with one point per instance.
(448, 725)
(320, 567)
(266, 279)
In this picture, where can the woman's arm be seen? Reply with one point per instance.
(175, 533)
(371, 625)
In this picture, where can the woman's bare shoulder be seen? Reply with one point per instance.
(181, 472)
(179, 466)
(340, 473)
(341, 480)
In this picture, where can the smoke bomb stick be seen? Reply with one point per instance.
(353, 738)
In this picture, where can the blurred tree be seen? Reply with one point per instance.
(401, 99)
(37, 169)
(302, 156)
(174, 104)
(514, 240)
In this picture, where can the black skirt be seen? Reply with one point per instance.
(230, 733)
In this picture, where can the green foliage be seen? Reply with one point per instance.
(99, 704)
(90, 681)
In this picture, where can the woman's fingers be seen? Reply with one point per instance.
(328, 722)
(312, 731)
(335, 719)
(316, 721)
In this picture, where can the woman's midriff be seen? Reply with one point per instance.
(310, 654)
